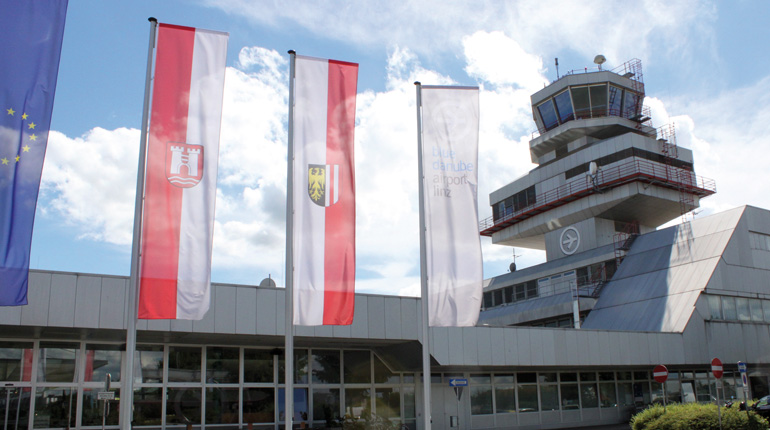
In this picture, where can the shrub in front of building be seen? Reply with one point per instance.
(696, 416)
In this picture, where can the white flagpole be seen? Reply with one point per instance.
(289, 348)
(423, 271)
(127, 392)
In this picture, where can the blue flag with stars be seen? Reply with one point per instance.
(30, 45)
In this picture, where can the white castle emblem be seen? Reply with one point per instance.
(184, 164)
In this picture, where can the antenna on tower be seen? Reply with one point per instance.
(512, 267)
(557, 67)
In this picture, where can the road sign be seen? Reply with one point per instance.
(458, 382)
(106, 395)
(660, 373)
(716, 368)
(744, 377)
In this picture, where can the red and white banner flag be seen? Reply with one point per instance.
(324, 237)
(181, 181)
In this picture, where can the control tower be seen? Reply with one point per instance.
(604, 175)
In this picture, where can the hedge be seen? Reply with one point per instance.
(696, 416)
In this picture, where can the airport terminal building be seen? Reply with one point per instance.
(567, 343)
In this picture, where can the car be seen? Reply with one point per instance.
(762, 407)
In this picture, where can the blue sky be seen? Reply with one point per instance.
(706, 69)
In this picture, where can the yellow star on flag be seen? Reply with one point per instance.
(31, 125)
(4, 160)
(10, 111)
(32, 137)
(17, 158)
(25, 148)
(24, 116)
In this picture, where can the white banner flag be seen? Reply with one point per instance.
(453, 246)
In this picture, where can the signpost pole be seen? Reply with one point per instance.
(660, 374)
(718, 371)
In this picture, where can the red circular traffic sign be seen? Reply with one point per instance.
(716, 368)
(660, 373)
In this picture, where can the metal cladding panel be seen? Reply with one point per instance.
(87, 298)
(141, 324)
(524, 347)
(246, 310)
(548, 338)
(184, 326)
(323, 331)
(560, 351)
(360, 327)
(510, 339)
(304, 330)
(439, 344)
(270, 303)
(393, 318)
(113, 302)
(572, 350)
(225, 309)
(497, 346)
(38, 297)
(410, 318)
(159, 325)
(62, 303)
(11, 315)
(342, 331)
(597, 355)
(483, 343)
(536, 346)
(470, 349)
(376, 316)
(456, 346)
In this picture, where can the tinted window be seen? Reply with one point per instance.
(564, 106)
(548, 115)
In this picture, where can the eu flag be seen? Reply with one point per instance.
(30, 46)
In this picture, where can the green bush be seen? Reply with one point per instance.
(696, 416)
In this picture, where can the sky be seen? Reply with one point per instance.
(705, 68)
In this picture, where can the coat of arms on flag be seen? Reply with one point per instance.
(184, 164)
(323, 184)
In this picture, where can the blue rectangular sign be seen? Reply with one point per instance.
(458, 382)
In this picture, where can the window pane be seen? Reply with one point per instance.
(564, 106)
(326, 366)
(93, 407)
(756, 309)
(481, 400)
(527, 398)
(607, 376)
(257, 365)
(55, 407)
(503, 379)
(150, 358)
(580, 101)
(715, 307)
(588, 397)
(300, 404)
(547, 377)
(184, 365)
(616, 96)
(527, 377)
(57, 363)
(148, 406)
(505, 399)
(357, 402)
(607, 395)
(410, 409)
(16, 361)
(300, 367)
(383, 375)
(631, 105)
(14, 402)
(568, 377)
(742, 307)
(183, 405)
(479, 379)
(357, 367)
(625, 394)
(599, 100)
(101, 360)
(587, 376)
(388, 402)
(549, 397)
(728, 308)
(258, 405)
(766, 309)
(548, 115)
(326, 405)
(221, 405)
(569, 396)
(222, 365)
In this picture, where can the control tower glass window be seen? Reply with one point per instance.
(548, 115)
(581, 101)
(631, 105)
(616, 99)
(564, 107)
(599, 100)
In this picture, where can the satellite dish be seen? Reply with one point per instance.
(600, 59)
(512, 267)
(593, 168)
(267, 283)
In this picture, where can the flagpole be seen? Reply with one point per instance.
(289, 289)
(127, 394)
(423, 271)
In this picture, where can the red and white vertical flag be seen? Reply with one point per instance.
(181, 173)
(324, 235)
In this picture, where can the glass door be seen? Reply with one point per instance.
(14, 408)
